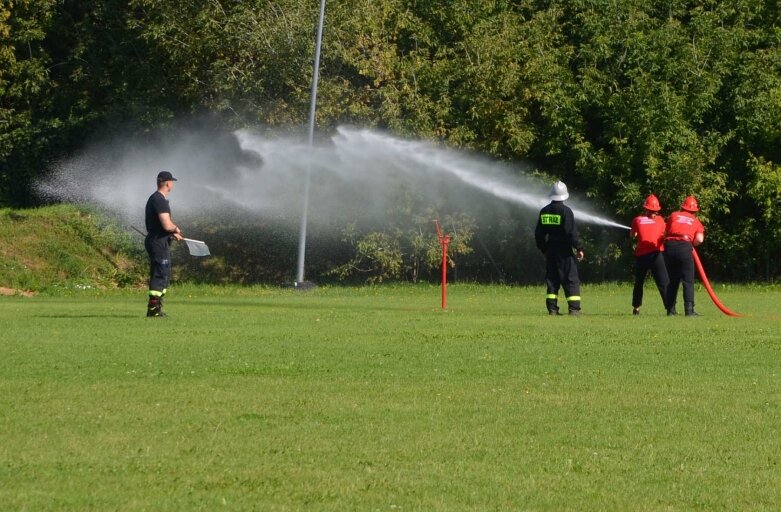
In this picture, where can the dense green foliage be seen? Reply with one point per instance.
(373, 399)
(619, 99)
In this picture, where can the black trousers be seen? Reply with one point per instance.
(680, 267)
(159, 251)
(561, 271)
(654, 262)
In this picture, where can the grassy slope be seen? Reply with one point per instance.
(61, 246)
(374, 399)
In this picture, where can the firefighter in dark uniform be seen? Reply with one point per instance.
(649, 229)
(684, 232)
(160, 231)
(557, 237)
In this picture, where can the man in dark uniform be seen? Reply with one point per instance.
(684, 232)
(160, 231)
(557, 237)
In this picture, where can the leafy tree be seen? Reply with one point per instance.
(252, 60)
(24, 94)
(406, 248)
(619, 99)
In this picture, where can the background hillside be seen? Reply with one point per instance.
(62, 247)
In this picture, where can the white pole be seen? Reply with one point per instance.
(312, 104)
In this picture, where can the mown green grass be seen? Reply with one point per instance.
(375, 399)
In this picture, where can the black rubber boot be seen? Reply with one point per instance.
(689, 308)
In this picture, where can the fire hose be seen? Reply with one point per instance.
(704, 278)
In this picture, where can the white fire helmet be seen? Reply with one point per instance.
(558, 191)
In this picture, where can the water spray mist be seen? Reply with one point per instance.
(248, 174)
(412, 155)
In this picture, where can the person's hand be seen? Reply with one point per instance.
(178, 236)
(581, 255)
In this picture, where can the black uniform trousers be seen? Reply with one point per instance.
(561, 271)
(159, 251)
(680, 267)
(654, 262)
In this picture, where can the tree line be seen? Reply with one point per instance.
(617, 98)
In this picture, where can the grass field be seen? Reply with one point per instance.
(375, 399)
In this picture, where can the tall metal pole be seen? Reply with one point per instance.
(312, 105)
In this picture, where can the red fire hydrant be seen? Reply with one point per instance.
(444, 240)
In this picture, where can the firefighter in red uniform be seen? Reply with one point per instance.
(649, 229)
(557, 237)
(684, 232)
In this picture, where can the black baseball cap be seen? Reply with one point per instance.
(165, 176)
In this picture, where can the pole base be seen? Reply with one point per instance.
(304, 285)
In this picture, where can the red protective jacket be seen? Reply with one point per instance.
(649, 232)
(683, 226)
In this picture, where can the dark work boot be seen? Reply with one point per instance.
(154, 308)
(689, 307)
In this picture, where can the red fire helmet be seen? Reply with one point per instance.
(652, 203)
(690, 204)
